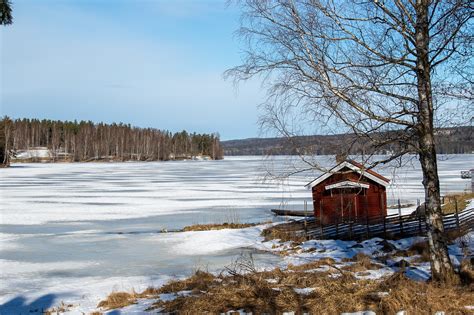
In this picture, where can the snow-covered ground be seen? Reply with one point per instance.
(375, 248)
(34, 153)
(75, 232)
(341, 252)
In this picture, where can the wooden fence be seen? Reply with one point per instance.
(391, 226)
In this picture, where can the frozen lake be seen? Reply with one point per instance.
(76, 231)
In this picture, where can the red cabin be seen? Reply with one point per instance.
(349, 192)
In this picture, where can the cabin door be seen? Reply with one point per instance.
(348, 207)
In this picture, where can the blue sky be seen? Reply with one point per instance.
(147, 63)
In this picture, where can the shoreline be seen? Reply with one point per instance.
(368, 264)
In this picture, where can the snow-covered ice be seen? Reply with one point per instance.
(75, 232)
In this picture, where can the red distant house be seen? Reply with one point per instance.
(349, 192)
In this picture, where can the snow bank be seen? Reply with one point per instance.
(208, 242)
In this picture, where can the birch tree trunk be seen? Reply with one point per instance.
(441, 267)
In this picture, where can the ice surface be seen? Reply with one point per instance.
(41, 193)
(75, 232)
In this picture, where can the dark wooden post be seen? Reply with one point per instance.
(305, 224)
(366, 210)
(350, 230)
(382, 214)
(367, 223)
(400, 216)
(457, 212)
(321, 218)
(351, 208)
(419, 215)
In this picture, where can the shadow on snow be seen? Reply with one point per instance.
(19, 305)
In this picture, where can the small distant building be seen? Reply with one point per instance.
(349, 192)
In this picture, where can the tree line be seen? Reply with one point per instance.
(88, 141)
(454, 140)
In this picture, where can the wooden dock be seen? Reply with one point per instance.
(293, 213)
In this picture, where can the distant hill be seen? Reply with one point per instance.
(449, 141)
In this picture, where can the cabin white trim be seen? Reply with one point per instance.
(351, 166)
(347, 184)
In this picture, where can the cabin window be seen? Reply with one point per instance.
(326, 192)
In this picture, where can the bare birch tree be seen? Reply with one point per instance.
(372, 66)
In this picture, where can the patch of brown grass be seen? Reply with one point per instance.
(118, 300)
(450, 202)
(148, 292)
(466, 272)
(453, 235)
(285, 232)
(424, 298)
(420, 248)
(290, 249)
(199, 281)
(248, 292)
(61, 308)
(221, 226)
(362, 262)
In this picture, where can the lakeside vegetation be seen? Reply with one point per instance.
(217, 226)
(87, 141)
(456, 202)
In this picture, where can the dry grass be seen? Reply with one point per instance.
(200, 281)
(466, 272)
(284, 232)
(419, 248)
(221, 226)
(242, 287)
(424, 298)
(121, 299)
(253, 292)
(422, 249)
(289, 248)
(118, 300)
(61, 308)
(450, 202)
(362, 262)
(150, 291)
